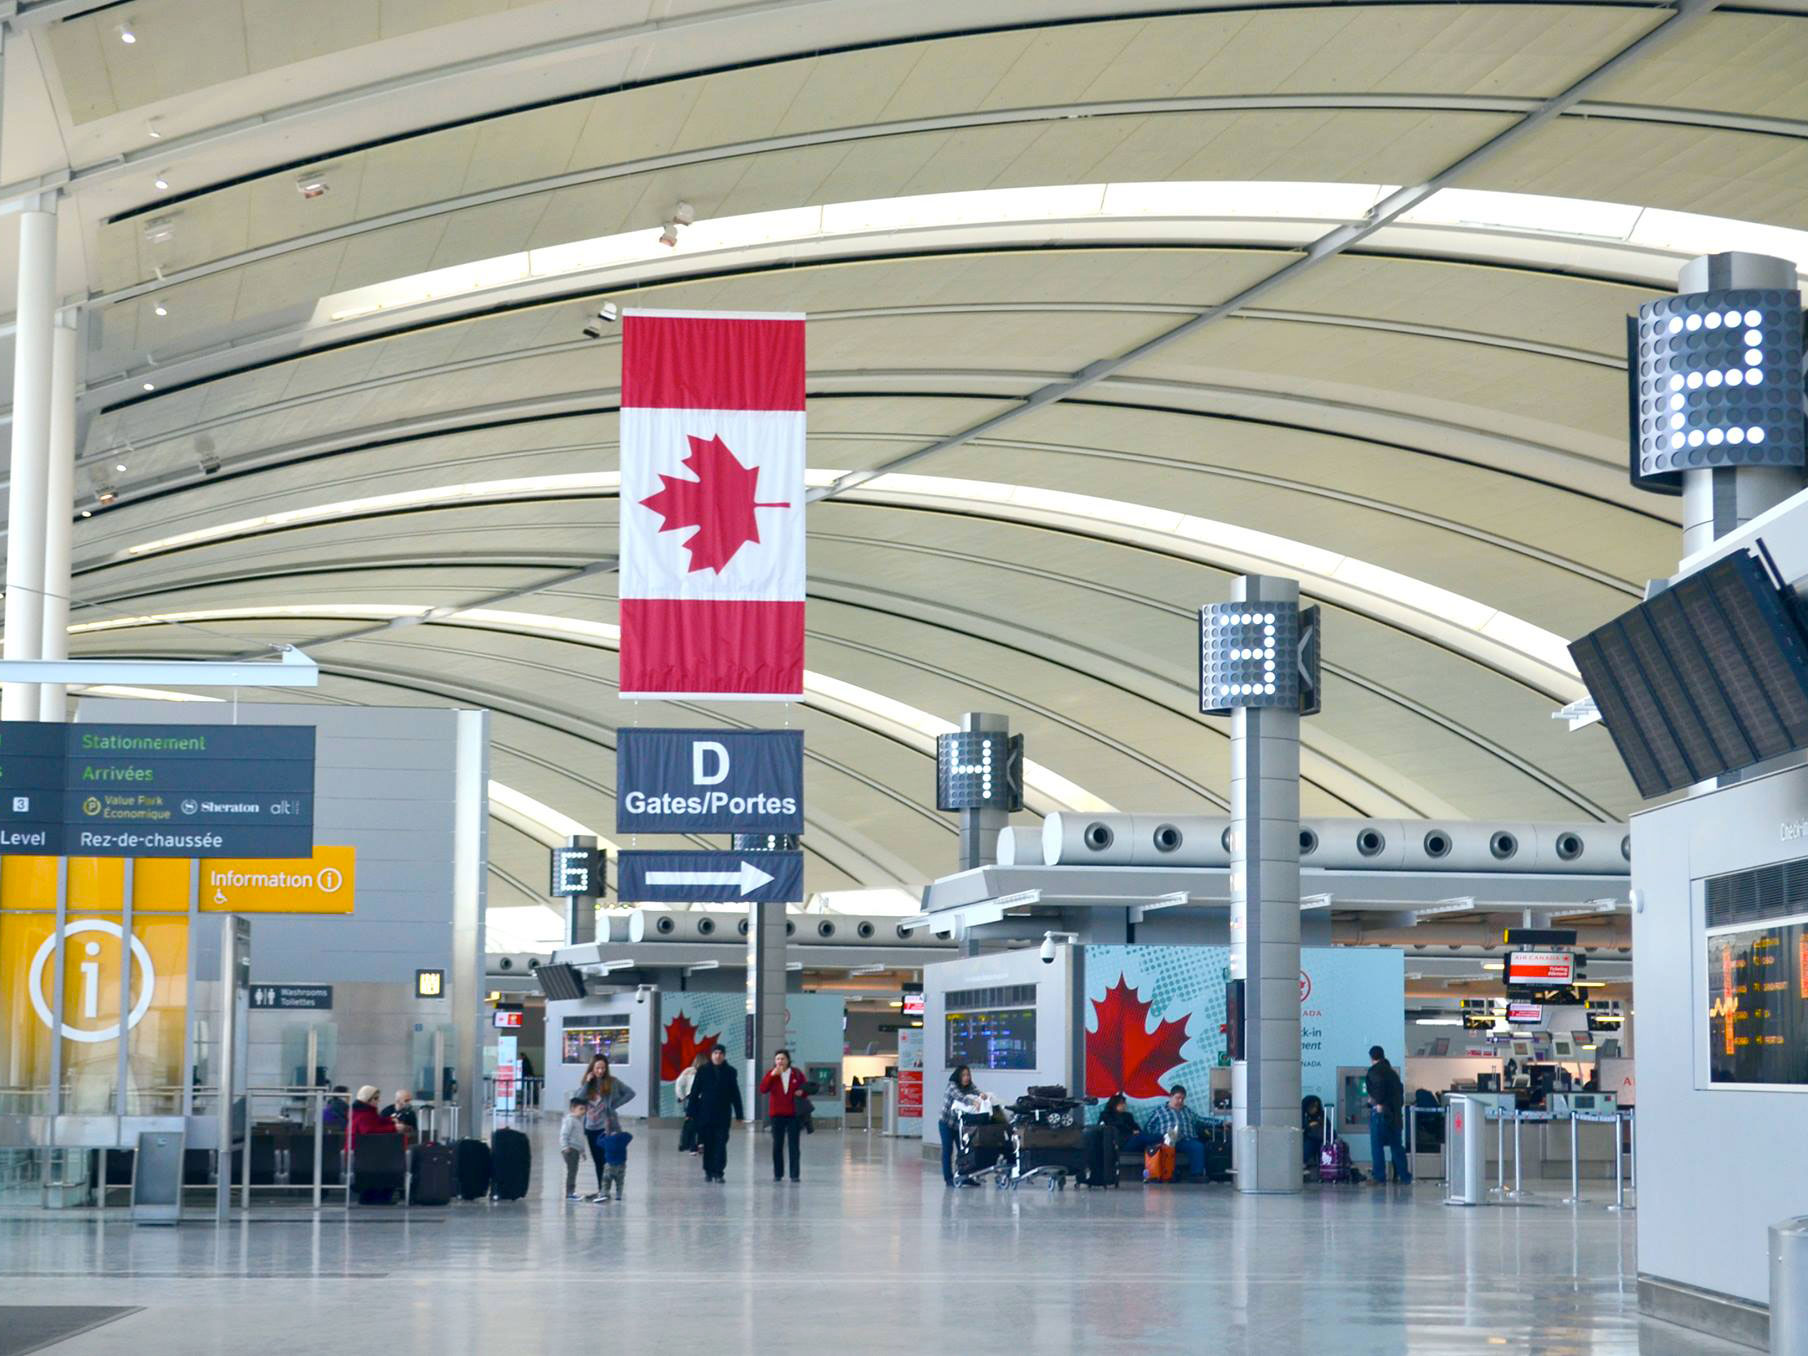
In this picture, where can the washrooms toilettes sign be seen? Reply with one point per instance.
(709, 781)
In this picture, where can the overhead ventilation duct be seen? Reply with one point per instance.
(1343, 844)
(804, 929)
(1020, 847)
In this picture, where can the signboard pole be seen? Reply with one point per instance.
(56, 1024)
(580, 910)
(979, 828)
(188, 1016)
(765, 988)
(124, 1069)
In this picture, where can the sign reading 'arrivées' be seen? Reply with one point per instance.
(709, 781)
(156, 790)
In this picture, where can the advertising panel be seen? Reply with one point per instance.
(690, 1025)
(910, 1076)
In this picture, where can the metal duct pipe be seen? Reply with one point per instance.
(659, 925)
(804, 929)
(1347, 844)
(1020, 847)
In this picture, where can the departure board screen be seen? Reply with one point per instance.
(996, 1038)
(1758, 1005)
(584, 1042)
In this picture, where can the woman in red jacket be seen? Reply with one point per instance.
(367, 1120)
(784, 1089)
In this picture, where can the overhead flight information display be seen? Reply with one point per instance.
(1758, 1005)
(998, 1038)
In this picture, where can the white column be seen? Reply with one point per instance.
(59, 515)
(32, 345)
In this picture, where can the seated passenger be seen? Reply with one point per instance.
(1116, 1114)
(1187, 1127)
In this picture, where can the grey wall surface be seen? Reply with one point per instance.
(373, 1035)
(397, 784)
(1716, 1166)
(1057, 1005)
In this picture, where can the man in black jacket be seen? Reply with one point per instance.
(1386, 1097)
(714, 1102)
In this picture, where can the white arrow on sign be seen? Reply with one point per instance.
(749, 878)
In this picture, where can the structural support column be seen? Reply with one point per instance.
(59, 515)
(766, 974)
(979, 828)
(1265, 927)
(25, 515)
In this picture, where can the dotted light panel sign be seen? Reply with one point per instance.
(1248, 656)
(977, 770)
(1719, 381)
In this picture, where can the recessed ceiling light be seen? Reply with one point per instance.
(153, 131)
(161, 182)
(87, 513)
(160, 309)
(126, 35)
(150, 386)
(119, 466)
(313, 184)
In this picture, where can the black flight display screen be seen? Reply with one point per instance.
(996, 1038)
(1758, 1005)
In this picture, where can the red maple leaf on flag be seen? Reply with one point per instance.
(681, 1047)
(1123, 1055)
(719, 504)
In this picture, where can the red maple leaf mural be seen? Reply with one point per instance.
(1123, 1055)
(719, 504)
(681, 1047)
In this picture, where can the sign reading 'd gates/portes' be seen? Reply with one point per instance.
(87, 790)
(709, 781)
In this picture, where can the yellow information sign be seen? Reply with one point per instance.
(324, 883)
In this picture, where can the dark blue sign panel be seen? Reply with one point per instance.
(709, 781)
(156, 790)
(709, 877)
(291, 997)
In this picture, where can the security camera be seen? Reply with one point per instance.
(1048, 949)
(669, 236)
(641, 991)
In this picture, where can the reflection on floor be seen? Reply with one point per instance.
(869, 1254)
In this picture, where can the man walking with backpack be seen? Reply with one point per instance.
(1387, 1095)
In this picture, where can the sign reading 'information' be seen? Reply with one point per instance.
(156, 790)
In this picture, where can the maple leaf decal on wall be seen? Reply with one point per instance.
(680, 1048)
(719, 504)
(1123, 1055)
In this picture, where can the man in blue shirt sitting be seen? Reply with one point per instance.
(1190, 1129)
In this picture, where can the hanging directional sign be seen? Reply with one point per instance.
(156, 790)
(709, 877)
(709, 781)
(290, 997)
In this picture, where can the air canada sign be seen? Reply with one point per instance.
(709, 781)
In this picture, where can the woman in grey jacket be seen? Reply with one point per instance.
(603, 1093)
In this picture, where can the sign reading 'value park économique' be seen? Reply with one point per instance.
(156, 790)
(709, 781)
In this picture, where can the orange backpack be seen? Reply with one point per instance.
(1158, 1164)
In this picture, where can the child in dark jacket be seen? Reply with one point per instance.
(615, 1163)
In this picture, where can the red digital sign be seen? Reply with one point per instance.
(1541, 969)
(508, 1019)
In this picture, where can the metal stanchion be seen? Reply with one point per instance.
(1619, 1172)
(1500, 1147)
(1575, 1178)
(1631, 1114)
(319, 1099)
(1517, 1191)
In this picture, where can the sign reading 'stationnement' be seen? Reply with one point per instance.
(156, 790)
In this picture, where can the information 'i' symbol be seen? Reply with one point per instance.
(91, 981)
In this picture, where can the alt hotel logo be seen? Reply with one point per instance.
(1792, 830)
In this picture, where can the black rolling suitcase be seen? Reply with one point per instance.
(471, 1169)
(379, 1163)
(1046, 1146)
(1101, 1156)
(430, 1175)
(511, 1165)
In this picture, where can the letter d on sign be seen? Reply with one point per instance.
(701, 753)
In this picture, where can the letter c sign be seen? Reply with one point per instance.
(703, 753)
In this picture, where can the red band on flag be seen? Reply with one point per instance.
(711, 646)
(711, 362)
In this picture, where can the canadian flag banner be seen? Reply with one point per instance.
(712, 504)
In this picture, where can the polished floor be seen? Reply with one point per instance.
(870, 1253)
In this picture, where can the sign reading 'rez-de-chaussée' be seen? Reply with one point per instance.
(709, 781)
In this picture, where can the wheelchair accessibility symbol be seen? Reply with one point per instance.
(86, 1002)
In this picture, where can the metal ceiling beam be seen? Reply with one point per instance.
(1684, 15)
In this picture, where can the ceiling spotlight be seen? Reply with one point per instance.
(607, 314)
(87, 513)
(150, 386)
(669, 236)
(161, 183)
(119, 466)
(210, 465)
(313, 184)
(160, 309)
(126, 35)
(105, 494)
(154, 132)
